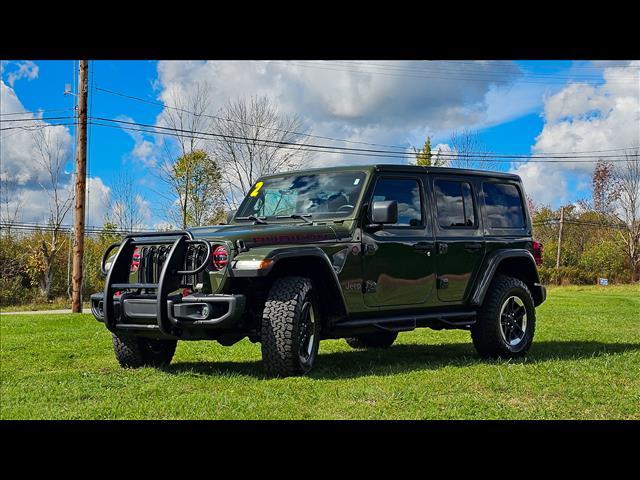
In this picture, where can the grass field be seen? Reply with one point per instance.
(584, 364)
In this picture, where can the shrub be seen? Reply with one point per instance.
(567, 275)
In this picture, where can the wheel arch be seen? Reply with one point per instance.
(313, 263)
(517, 263)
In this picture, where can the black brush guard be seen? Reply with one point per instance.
(160, 312)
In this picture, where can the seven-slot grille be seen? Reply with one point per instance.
(152, 259)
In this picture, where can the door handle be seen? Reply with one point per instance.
(472, 246)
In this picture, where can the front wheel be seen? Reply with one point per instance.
(290, 327)
(134, 352)
(507, 320)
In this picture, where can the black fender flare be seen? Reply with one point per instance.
(489, 268)
(279, 254)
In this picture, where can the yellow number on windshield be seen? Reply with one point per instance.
(256, 189)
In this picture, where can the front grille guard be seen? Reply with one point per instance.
(173, 256)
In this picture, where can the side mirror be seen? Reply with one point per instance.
(384, 212)
(230, 215)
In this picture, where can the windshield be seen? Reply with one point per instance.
(317, 195)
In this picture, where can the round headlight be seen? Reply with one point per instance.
(220, 257)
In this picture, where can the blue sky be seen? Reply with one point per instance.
(535, 106)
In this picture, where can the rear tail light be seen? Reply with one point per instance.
(135, 262)
(220, 257)
(537, 252)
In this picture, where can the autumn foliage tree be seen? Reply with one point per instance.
(425, 157)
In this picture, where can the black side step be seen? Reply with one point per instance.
(403, 322)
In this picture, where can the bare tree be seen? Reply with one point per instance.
(187, 115)
(125, 204)
(627, 177)
(468, 151)
(10, 204)
(605, 191)
(256, 140)
(51, 155)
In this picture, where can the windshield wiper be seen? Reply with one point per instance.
(298, 216)
(254, 218)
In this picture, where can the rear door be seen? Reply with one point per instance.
(398, 260)
(460, 245)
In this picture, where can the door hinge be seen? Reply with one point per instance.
(443, 283)
(370, 248)
(442, 248)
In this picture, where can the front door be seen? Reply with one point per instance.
(398, 260)
(459, 241)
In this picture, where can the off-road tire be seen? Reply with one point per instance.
(281, 327)
(372, 340)
(485, 333)
(135, 352)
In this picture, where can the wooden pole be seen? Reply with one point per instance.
(560, 237)
(81, 180)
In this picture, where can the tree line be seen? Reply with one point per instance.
(203, 179)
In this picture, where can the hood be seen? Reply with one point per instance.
(272, 234)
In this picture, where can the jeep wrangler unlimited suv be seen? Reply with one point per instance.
(355, 252)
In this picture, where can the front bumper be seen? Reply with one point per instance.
(196, 311)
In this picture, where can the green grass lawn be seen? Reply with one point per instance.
(584, 364)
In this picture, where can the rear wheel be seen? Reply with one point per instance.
(290, 327)
(382, 339)
(507, 320)
(135, 352)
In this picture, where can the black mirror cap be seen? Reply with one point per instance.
(385, 212)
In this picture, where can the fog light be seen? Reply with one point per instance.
(205, 311)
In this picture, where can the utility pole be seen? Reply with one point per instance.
(560, 237)
(81, 180)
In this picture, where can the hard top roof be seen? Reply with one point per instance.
(401, 168)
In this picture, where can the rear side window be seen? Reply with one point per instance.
(407, 193)
(454, 202)
(503, 205)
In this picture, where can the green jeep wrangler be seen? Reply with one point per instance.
(359, 252)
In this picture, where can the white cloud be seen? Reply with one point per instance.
(583, 117)
(144, 151)
(26, 69)
(18, 153)
(20, 167)
(385, 102)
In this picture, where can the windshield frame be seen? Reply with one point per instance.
(331, 217)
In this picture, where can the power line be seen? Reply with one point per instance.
(34, 227)
(216, 117)
(555, 222)
(539, 64)
(35, 127)
(344, 150)
(470, 77)
(403, 148)
(36, 119)
(28, 112)
(493, 71)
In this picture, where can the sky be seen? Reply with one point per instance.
(516, 107)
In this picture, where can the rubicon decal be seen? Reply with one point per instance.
(293, 238)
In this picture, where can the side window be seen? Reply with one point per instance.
(503, 205)
(407, 193)
(454, 204)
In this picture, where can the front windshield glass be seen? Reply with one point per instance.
(319, 195)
